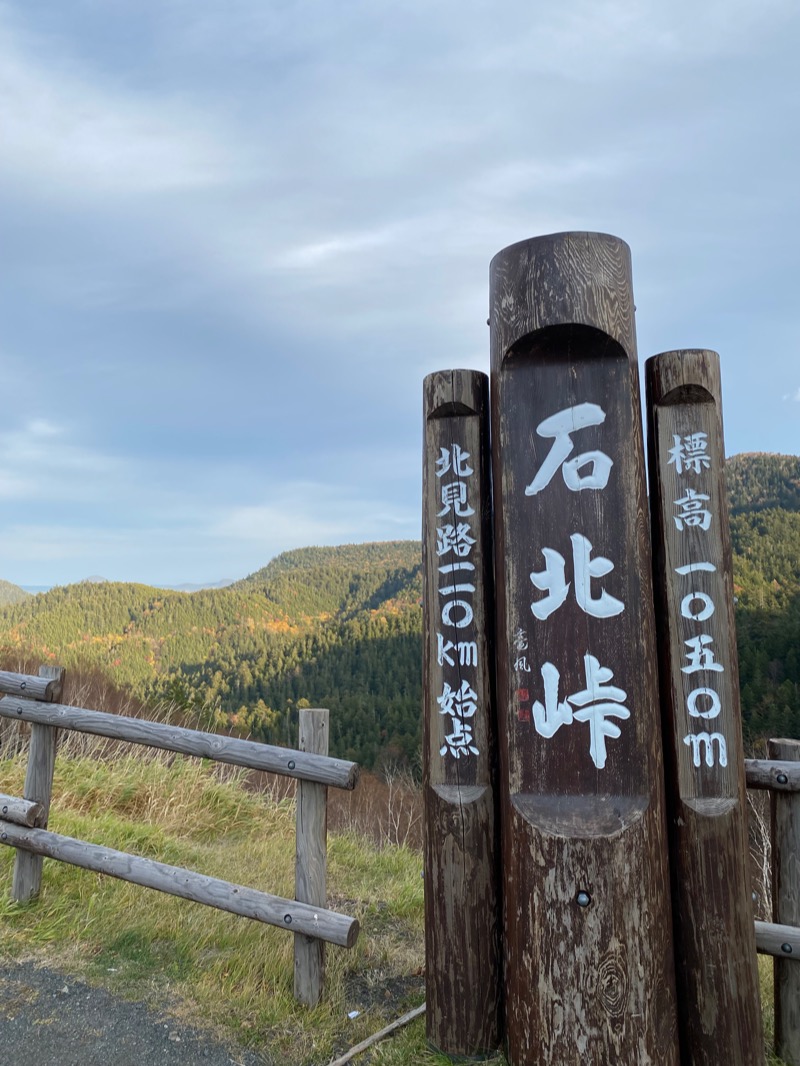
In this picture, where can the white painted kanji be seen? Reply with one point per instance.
(454, 499)
(552, 580)
(690, 453)
(460, 741)
(560, 426)
(597, 703)
(549, 716)
(457, 539)
(692, 512)
(700, 655)
(453, 458)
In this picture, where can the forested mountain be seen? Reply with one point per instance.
(341, 628)
(764, 492)
(757, 481)
(334, 627)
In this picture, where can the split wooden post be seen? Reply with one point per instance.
(311, 858)
(719, 1012)
(462, 915)
(786, 905)
(27, 876)
(588, 944)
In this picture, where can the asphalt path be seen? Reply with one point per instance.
(50, 1019)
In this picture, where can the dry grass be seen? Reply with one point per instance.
(212, 968)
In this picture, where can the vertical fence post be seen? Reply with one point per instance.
(462, 920)
(786, 905)
(311, 857)
(588, 944)
(719, 1011)
(27, 876)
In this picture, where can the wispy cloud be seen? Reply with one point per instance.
(242, 233)
(78, 137)
(41, 460)
(310, 513)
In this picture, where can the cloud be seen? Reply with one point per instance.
(303, 513)
(39, 460)
(792, 396)
(72, 136)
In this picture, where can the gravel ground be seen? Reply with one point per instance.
(49, 1019)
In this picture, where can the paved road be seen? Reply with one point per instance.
(48, 1019)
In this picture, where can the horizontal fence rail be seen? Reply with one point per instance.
(23, 821)
(223, 895)
(779, 775)
(34, 688)
(20, 811)
(782, 941)
(248, 753)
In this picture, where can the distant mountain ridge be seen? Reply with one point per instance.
(341, 627)
(758, 481)
(12, 593)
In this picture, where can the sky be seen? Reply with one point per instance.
(237, 235)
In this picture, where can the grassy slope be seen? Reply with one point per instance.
(208, 966)
(212, 968)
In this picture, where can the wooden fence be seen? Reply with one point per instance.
(781, 938)
(23, 820)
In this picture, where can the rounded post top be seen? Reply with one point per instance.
(454, 392)
(548, 241)
(561, 279)
(683, 376)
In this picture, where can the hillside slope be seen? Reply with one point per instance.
(764, 493)
(341, 627)
(332, 626)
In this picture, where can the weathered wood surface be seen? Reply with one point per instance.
(786, 905)
(716, 966)
(462, 908)
(777, 774)
(783, 941)
(287, 914)
(33, 688)
(26, 880)
(286, 761)
(588, 930)
(311, 857)
(20, 811)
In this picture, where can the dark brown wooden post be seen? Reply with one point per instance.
(716, 965)
(588, 946)
(27, 876)
(786, 906)
(462, 920)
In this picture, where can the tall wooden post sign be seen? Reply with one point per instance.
(462, 920)
(717, 975)
(588, 948)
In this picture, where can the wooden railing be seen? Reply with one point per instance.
(23, 820)
(781, 938)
